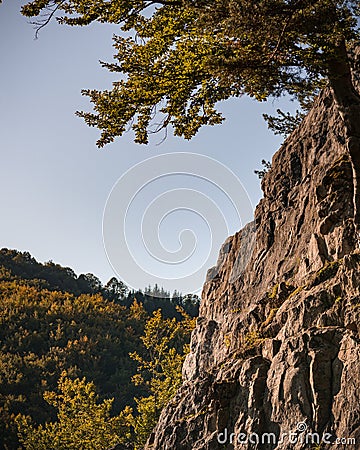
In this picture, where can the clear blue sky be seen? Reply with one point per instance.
(54, 181)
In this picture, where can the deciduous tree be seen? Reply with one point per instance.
(184, 56)
(82, 422)
(159, 368)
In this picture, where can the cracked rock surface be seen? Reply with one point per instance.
(276, 346)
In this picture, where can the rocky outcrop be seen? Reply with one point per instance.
(275, 356)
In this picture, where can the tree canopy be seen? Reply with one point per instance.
(82, 422)
(49, 323)
(176, 59)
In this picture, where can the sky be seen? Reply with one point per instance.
(144, 214)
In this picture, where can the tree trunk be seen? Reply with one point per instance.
(348, 101)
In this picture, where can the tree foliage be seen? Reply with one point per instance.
(166, 345)
(266, 167)
(176, 59)
(284, 123)
(44, 331)
(54, 277)
(82, 422)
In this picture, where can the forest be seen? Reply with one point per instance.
(72, 348)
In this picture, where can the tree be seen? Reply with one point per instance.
(156, 291)
(184, 56)
(266, 167)
(284, 123)
(91, 281)
(166, 344)
(115, 289)
(82, 422)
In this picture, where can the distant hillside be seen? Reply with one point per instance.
(54, 277)
(51, 320)
(50, 275)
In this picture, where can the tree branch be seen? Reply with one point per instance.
(50, 16)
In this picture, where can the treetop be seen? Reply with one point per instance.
(176, 59)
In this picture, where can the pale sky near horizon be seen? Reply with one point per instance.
(55, 182)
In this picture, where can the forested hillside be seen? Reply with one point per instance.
(54, 277)
(55, 323)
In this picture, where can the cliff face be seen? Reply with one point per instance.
(276, 347)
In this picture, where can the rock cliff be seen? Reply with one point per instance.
(275, 356)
